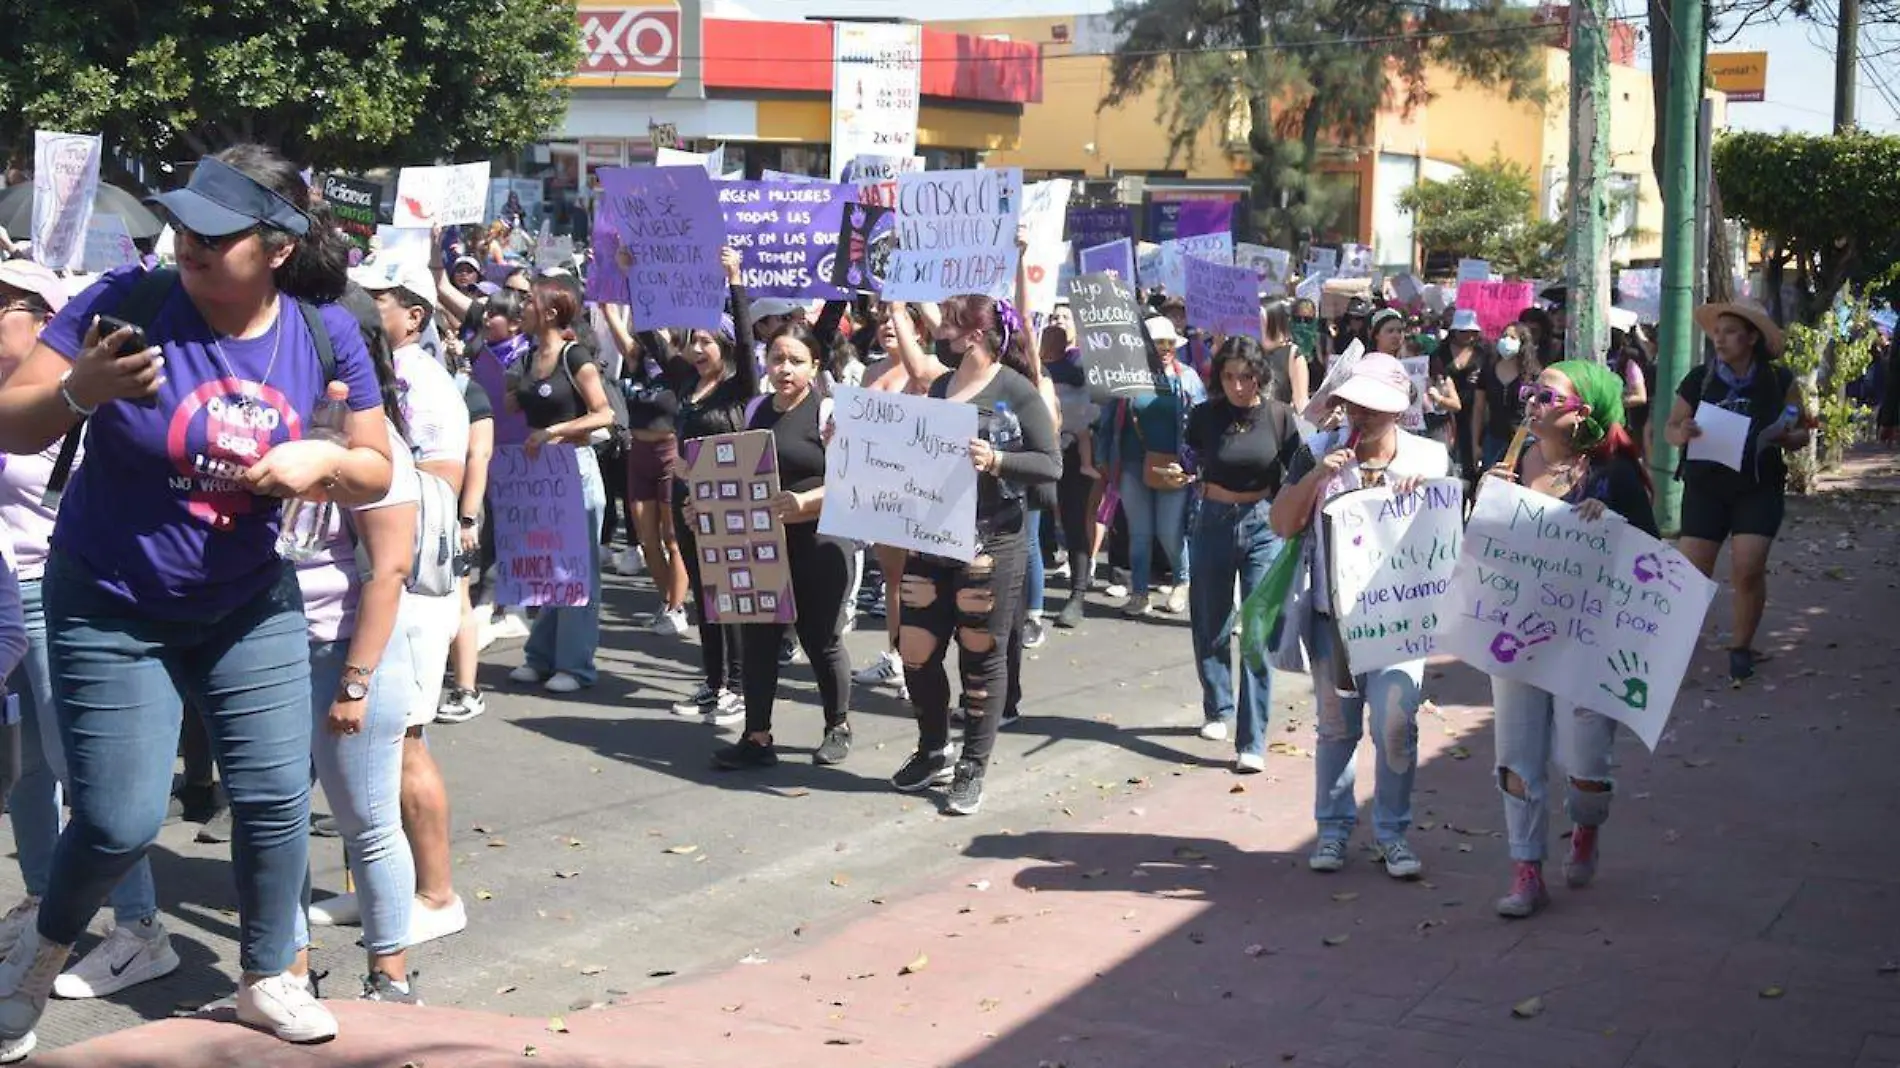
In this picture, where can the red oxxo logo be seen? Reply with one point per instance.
(641, 41)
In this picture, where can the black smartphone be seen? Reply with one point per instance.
(134, 345)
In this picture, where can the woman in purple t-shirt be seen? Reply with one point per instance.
(164, 579)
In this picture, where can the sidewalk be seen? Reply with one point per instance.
(1747, 913)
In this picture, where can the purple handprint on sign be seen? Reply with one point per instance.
(1654, 567)
(1532, 631)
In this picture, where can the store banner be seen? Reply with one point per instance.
(876, 91)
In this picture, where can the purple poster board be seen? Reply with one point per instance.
(1199, 217)
(1116, 256)
(665, 233)
(786, 234)
(544, 547)
(1093, 227)
(1222, 299)
(865, 241)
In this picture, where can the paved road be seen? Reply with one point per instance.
(605, 784)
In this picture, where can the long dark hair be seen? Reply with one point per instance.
(1276, 321)
(318, 268)
(978, 315)
(1245, 350)
(807, 337)
(362, 307)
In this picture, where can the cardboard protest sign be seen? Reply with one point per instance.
(865, 244)
(1640, 290)
(1598, 614)
(1498, 304)
(956, 234)
(1214, 248)
(544, 542)
(1148, 264)
(743, 573)
(899, 474)
(65, 183)
(876, 90)
(1117, 256)
(442, 196)
(1390, 561)
(1094, 227)
(1470, 270)
(874, 178)
(356, 205)
(552, 251)
(1355, 261)
(108, 245)
(1419, 370)
(786, 234)
(1271, 265)
(1222, 299)
(665, 235)
(1336, 293)
(1045, 206)
(1109, 333)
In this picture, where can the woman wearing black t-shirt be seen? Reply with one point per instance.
(1464, 365)
(652, 409)
(976, 604)
(1500, 408)
(1239, 444)
(821, 566)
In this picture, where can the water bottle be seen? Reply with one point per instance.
(1006, 435)
(303, 527)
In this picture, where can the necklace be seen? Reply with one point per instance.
(1564, 477)
(247, 398)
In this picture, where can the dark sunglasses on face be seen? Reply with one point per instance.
(1546, 397)
(1305, 320)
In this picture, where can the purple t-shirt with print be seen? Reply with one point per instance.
(158, 516)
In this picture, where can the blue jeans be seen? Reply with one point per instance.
(565, 639)
(120, 682)
(1534, 728)
(1393, 695)
(1230, 542)
(1152, 514)
(361, 775)
(34, 804)
(1033, 578)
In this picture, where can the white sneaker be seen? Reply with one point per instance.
(1250, 763)
(428, 924)
(461, 706)
(669, 623)
(627, 563)
(1115, 591)
(284, 1006)
(698, 705)
(343, 910)
(128, 956)
(886, 669)
(27, 976)
(1177, 601)
(524, 675)
(562, 682)
(1214, 730)
(1136, 606)
(14, 1050)
(18, 919)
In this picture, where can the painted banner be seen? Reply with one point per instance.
(544, 543)
(108, 245)
(786, 234)
(1599, 614)
(1214, 248)
(865, 243)
(1639, 290)
(1498, 304)
(662, 237)
(356, 204)
(1117, 256)
(956, 234)
(876, 90)
(65, 183)
(874, 178)
(1095, 227)
(1045, 206)
(1272, 265)
(442, 196)
(744, 576)
(1223, 299)
(1391, 560)
(899, 473)
(1109, 333)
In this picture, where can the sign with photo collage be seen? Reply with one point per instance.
(743, 574)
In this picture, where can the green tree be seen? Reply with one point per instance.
(1298, 75)
(1487, 212)
(337, 83)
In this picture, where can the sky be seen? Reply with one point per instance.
(1800, 55)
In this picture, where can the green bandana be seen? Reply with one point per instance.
(1600, 388)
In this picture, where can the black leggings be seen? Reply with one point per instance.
(718, 644)
(821, 580)
(613, 473)
(978, 603)
(1072, 512)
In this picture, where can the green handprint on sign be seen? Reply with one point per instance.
(1632, 667)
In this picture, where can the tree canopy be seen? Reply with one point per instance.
(337, 83)
(1487, 212)
(1299, 75)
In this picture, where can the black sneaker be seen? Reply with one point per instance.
(199, 803)
(923, 770)
(1071, 614)
(216, 829)
(1741, 665)
(836, 746)
(380, 987)
(744, 755)
(966, 789)
(1011, 717)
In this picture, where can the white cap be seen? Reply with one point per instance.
(1161, 328)
(412, 278)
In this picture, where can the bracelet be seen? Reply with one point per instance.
(72, 404)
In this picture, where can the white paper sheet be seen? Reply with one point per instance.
(1724, 436)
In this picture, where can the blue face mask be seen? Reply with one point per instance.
(1507, 347)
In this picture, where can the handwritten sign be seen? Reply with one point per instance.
(744, 575)
(1094, 227)
(1599, 614)
(517, 200)
(1214, 248)
(1355, 261)
(1222, 299)
(1470, 270)
(355, 204)
(442, 196)
(544, 546)
(1498, 304)
(1109, 332)
(664, 233)
(1391, 561)
(1117, 256)
(1272, 265)
(65, 182)
(786, 234)
(899, 473)
(876, 90)
(1045, 205)
(1639, 290)
(956, 234)
(875, 177)
(770, 175)
(108, 245)
(1320, 260)
(865, 244)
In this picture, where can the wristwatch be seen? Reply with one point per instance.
(354, 690)
(470, 522)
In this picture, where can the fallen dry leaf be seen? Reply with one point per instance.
(1891, 967)
(918, 965)
(682, 850)
(509, 989)
(1256, 950)
(1528, 1008)
(479, 829)
(567, 874)
(1237, 789)
(497, 843)
(484, 895)
(841, 879)
(1095, 873)
(1346, 895)
(844, 1041)
(1459, 752)
(1186, 853)
(980, 884)
(530, 1051)
(557, 1025)
(732, 1008)
(592, 969)
(1336, 940)
(1772, 992)
(987, 1005)
(575, 843)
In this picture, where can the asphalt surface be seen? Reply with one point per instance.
(600, 853)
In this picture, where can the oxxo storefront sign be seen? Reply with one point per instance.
(630, 44)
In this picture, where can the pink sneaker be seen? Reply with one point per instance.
(1527, 896)
(1581, 866)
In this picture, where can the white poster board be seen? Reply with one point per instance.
(875, 177)
(1271, 264)
(1392, 559)
(108, 245)
(956, 234)
(1470, 270)
(1045, 211)
(1214, 248)
(403, 244)
(876, 90)
(65, 183)
(1640, 291)
(1599, 614)
(898, 473)
(442, 196)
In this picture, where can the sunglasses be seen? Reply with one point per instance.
(1305, 320)
(1546, 397)
(215, 244)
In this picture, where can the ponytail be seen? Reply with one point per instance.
(318, 267)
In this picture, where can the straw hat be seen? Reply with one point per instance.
(1748, 311)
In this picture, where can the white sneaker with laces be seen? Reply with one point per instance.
(14, 1050)
(1400, 861)
(886, 669)
(728, 708)
(284, 1006)
(1177, 602)
(562, 682)
(1136, 606)
(670, 623)
(128, 956)
(18, 919)
(343, 910)
(1250, 763)
(428, 924)
(461, 706)
(1214, 730)
(524, 675)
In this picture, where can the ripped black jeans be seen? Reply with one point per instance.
(977, 604)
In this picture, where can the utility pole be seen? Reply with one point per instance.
(1846, 65)
(1587, 334)
(1676, 341)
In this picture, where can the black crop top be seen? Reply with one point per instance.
(556, 398)
(799, 439)
(1244, 450)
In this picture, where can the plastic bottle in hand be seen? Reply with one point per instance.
(304, 526)
(1006, 435)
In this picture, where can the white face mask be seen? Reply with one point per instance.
(1507, 347)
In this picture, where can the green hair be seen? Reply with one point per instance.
(1600, 388)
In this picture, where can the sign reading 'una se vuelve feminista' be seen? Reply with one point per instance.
(660, 231)
(898, 473)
